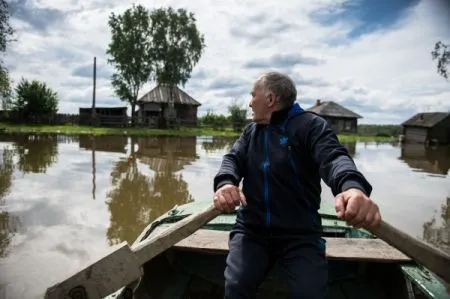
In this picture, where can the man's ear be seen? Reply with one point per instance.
(271, 99)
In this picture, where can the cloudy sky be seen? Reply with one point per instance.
(373, 57)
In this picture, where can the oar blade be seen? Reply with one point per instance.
(100, 279)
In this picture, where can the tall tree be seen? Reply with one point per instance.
(178, 45)
(130, 49)
(6, 36)
(441, 53)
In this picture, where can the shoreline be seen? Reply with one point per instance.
(182, 132)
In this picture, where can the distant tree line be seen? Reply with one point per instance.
(236, 119)
(380, 130)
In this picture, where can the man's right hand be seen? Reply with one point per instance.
(228, 197)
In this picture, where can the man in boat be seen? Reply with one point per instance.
(281, 156)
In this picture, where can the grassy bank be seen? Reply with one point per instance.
(81, 130)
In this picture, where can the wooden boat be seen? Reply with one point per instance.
(360, 265)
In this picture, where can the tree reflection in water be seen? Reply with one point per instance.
(36, 153)
(137, 198)
(8, 223)
(439, 236)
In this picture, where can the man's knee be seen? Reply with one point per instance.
(307, 274)
(246, 266)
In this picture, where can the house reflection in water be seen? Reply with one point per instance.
(433, 160)
(137, 196)
(166, 154)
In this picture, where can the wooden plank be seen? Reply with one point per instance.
(123, 266)
(377, 250)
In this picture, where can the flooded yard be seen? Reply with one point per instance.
(65, 201)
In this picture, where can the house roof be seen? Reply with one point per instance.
(161, 93)
(426, 119)
(330, 108)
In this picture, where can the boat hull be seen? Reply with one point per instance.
(190, 269)
(180, 273)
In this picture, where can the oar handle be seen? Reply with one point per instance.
(435, 260)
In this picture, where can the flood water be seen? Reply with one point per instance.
(66, 201)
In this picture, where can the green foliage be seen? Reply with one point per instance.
(441, 53)
(163, 45)
(6, 33)
(5, 88)
(177, 45)
(130, 50)
(379, 130)
(216, 121)
(34, 98)
(238, 116)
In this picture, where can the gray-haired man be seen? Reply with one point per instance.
(281, 157)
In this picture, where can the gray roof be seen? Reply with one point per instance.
(330, 108)
(426, 119)
(161, 93)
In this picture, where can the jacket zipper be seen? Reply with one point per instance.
(266, 181)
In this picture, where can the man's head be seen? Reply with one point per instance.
(271, 91)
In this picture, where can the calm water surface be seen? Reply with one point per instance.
(66, 201)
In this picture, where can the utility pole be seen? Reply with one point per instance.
(93, 91)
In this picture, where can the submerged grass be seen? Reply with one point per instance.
(195, 131)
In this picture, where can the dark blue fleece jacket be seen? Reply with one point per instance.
(281, 165)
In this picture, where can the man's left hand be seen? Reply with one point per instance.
(357, 209)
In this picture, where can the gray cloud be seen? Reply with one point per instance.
(86, 71)
(40, 19)
(365, 108)
(316, 82)
(282, 61)
(258, 27)
(226, 83)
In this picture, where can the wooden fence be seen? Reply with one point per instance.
(51, 119)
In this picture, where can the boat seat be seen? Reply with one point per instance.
(359, 249)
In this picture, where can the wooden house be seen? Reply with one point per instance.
(104, 116)
(427, 127)
(340, 118)
(164, 106)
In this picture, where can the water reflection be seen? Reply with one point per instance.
(36, 153)
(145, 183)
(437, 231)
(133, 180)
(214, 144)
(8, 223)
(433, 160)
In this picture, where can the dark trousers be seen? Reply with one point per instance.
(251, 256)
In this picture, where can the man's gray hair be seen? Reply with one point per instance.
(281, 85)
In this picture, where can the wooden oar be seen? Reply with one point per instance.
(124, 265)
(431, 258)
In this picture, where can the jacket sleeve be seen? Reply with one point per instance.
(336, 167)
(232, 168)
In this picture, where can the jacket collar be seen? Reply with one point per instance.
(283, 115)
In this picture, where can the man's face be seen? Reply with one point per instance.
(258, 103)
